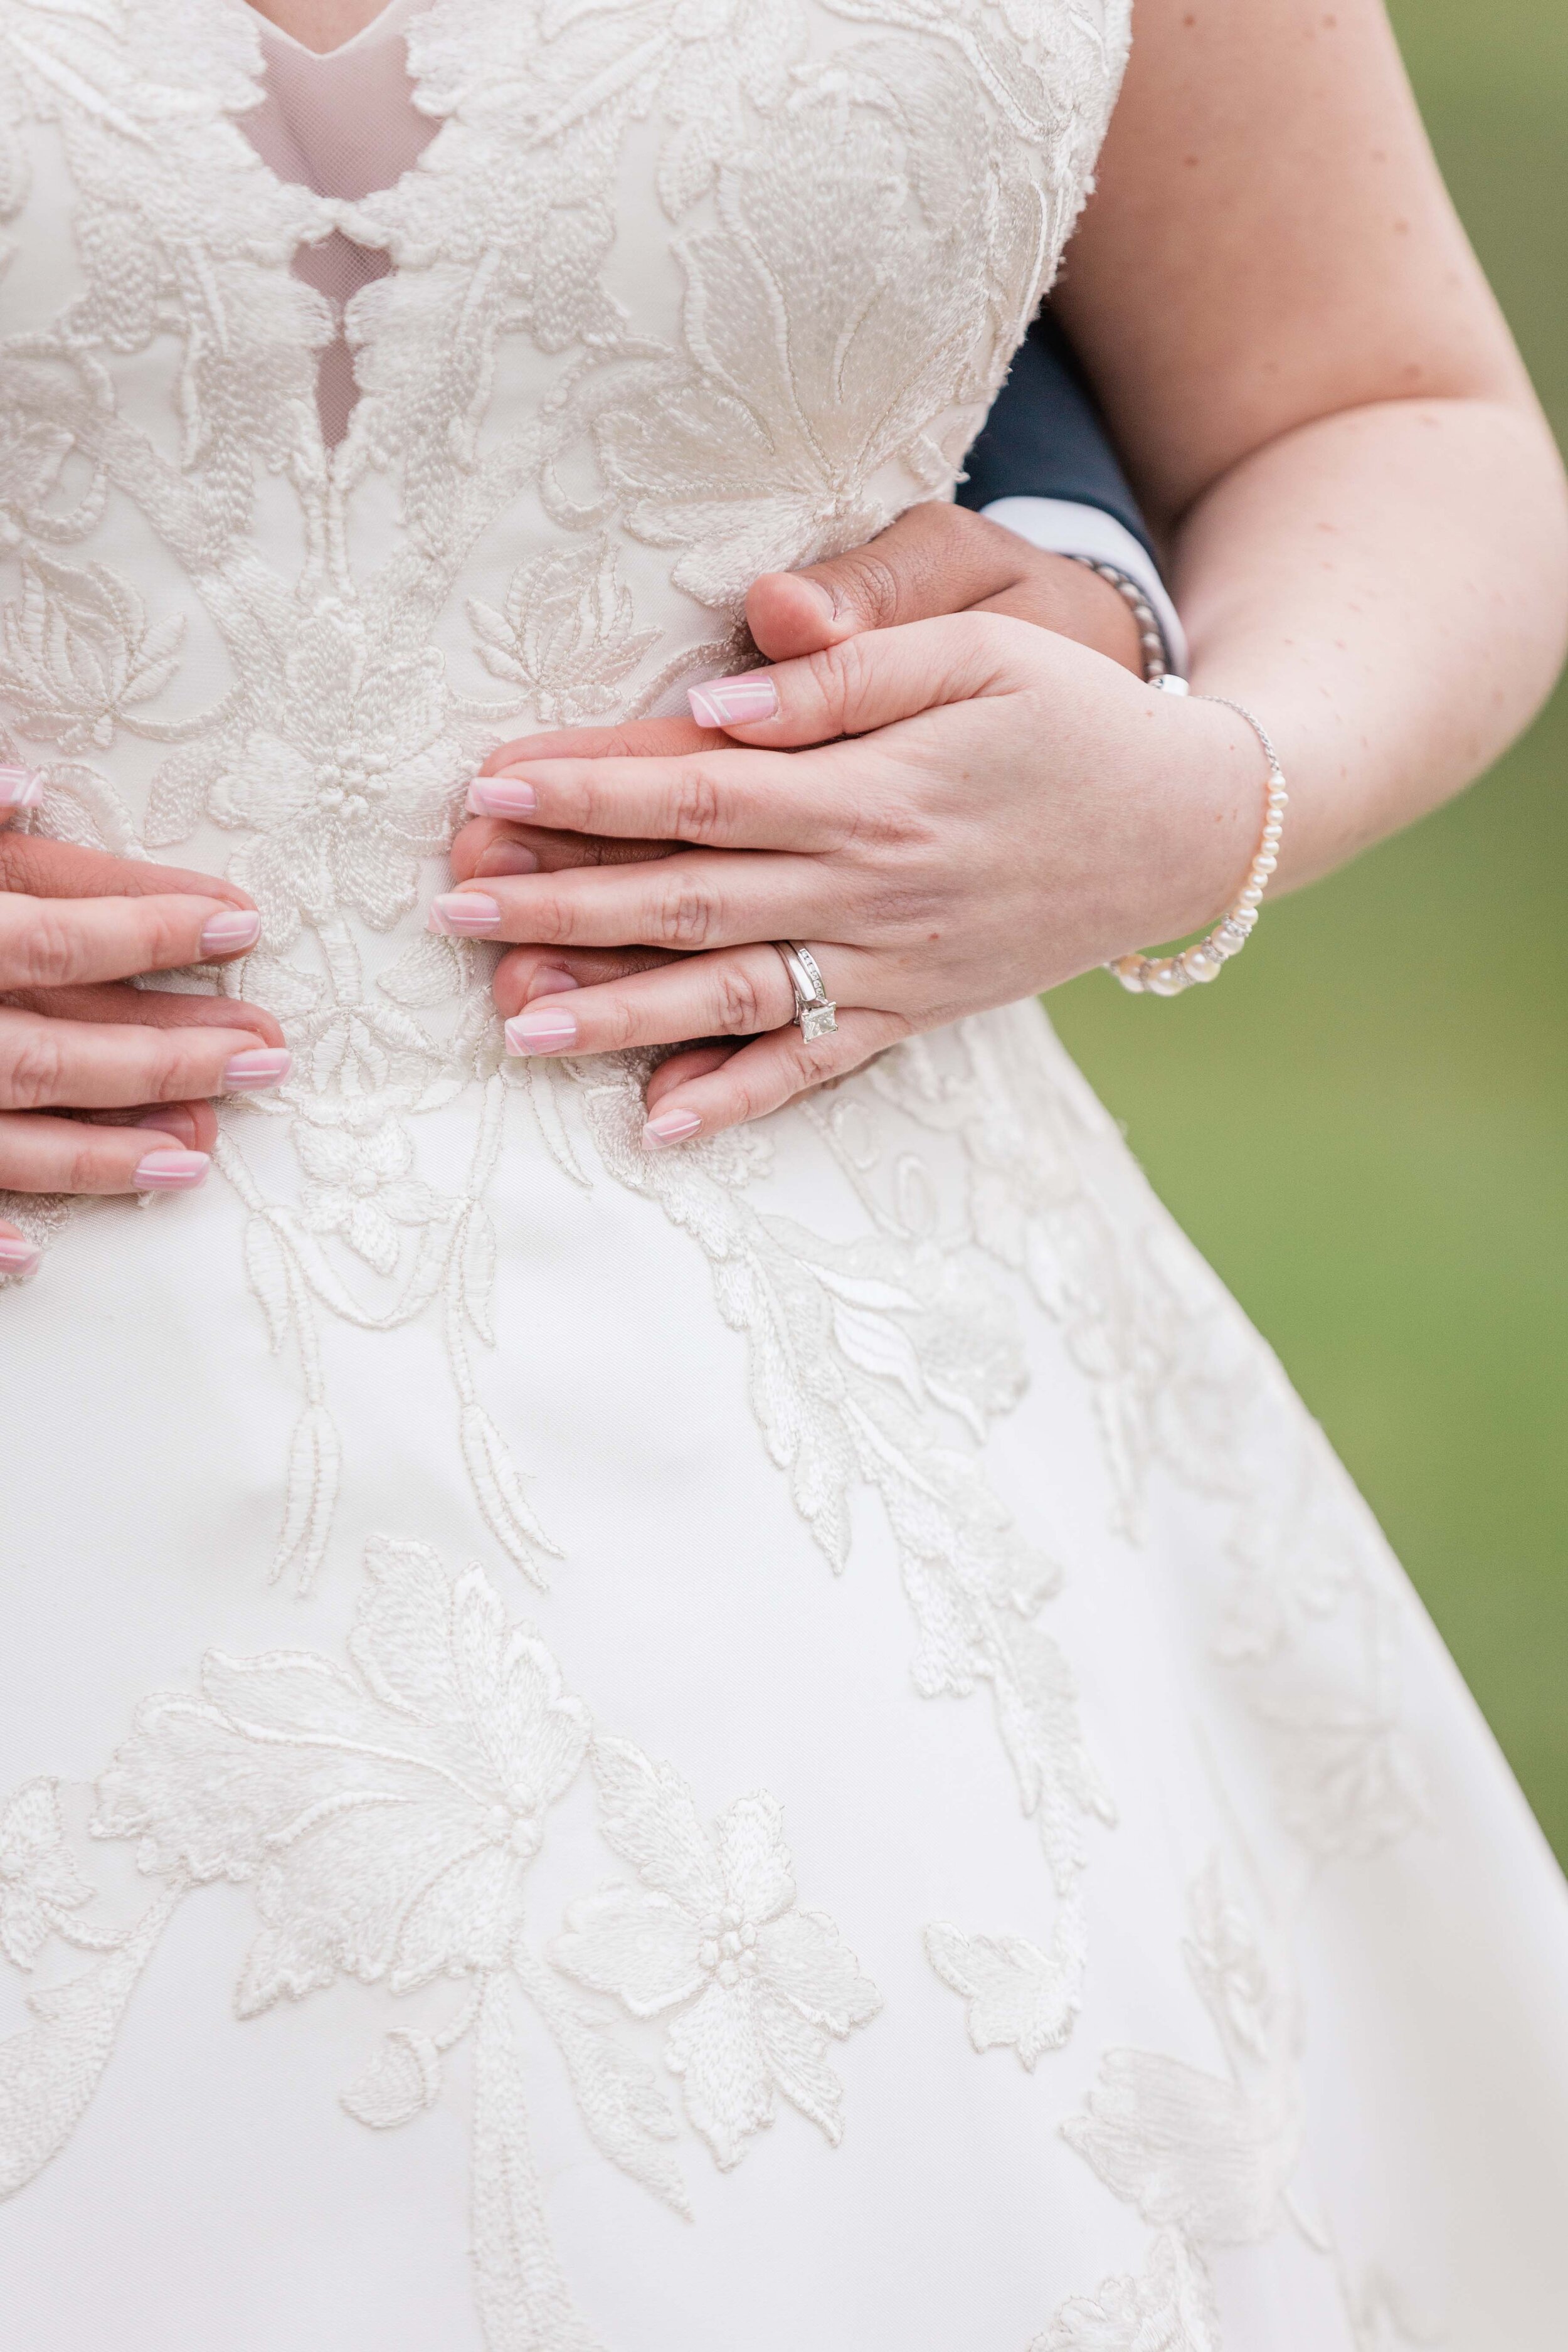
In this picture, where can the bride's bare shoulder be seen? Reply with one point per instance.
(1269, 240)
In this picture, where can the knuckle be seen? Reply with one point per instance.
(751, 1100)
(550, 920)
(875, 586)
(737, 1005)
(842, 676)
(168, 940)
(617, 1023)
(807, 1065)
(685, 916)
(695, 803)
(32, 1066)
(86, 1162)
(45, 953)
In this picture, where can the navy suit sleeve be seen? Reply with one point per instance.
(1044, 437)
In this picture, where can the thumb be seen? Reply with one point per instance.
(936, 558)
(876, 679)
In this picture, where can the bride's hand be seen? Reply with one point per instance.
(74, 925)
(1011, 810)
(934, 560)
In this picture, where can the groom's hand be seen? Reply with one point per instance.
(935, 560)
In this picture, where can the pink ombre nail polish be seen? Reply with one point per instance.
(465, 914)
(226, 934)
(260, 1066)
(501, 796)
(667, 1127)
(541, 1032)
(20, 788)
(171, 1171)
(18, 1258)
(734, 701)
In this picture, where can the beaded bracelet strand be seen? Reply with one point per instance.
(1151, 643)
(1169, 975)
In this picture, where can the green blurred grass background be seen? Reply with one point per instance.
(1365, 1129)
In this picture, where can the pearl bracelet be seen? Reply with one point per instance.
(1169, 975)
(1150, 639)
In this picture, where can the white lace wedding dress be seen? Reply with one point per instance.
(796, 1743)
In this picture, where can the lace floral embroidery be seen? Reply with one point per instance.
(859, 1353)
(1206, 2158)
(1308, 1624)
(712, 1934)
(387, 1815)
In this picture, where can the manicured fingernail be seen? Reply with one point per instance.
(508, 858)
(465, 914)
(226, 934)
(171, 1171)
(734, 701)
(501, 796)
(547, 983)
(18, 1258)
(258, 1066)
(669, 1127)
(20, 788)
(541, 1032)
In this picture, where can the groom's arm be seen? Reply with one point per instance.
(1043, 466)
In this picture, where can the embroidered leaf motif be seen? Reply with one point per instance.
(49, 2072)
(502, 1495)
(177, 798)
(41, 1884)
(77, 656)
(428, 973)
(524, 2303)
(1205, 2158)
(315, 1466)
(1169, 2308)
(1187, 2148)
(1018, 1997)
(400, 2082)
(567, 638)
(478, 1247)
(627, 2113)
(267, 1271)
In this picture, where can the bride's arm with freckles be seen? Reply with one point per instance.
(1321, 405)
(1318, 400)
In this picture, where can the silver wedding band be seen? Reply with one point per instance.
(816, 1013)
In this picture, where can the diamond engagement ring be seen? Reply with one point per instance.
(815, 1010)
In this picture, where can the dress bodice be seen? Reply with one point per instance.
(672, 294)
(677, 294)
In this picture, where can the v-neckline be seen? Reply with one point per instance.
(390, 22)
(269, 30)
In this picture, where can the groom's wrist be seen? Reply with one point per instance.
(1089, 534)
